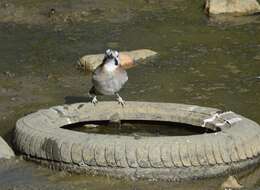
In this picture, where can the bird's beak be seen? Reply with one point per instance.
(126, 61)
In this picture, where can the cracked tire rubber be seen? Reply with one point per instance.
(233, 147)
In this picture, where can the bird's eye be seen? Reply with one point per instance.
(108, 52)
(116, 54)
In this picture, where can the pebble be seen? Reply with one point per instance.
(9, 74)
(231, 183)
(257, 57)
(5, 150)
(136, 136)
(3, 90)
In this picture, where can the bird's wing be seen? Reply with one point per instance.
(121, 75)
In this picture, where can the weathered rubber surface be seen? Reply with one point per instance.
(234, 147)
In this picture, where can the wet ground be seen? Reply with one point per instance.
(205, 61)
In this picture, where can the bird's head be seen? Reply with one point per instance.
(111, 60)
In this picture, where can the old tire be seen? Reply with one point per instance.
(233, 147)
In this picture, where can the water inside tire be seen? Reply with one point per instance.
(138, 127)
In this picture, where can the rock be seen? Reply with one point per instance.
(231, 183)
(257, 57)
(128, 59)
(5, 151)
(9, 74)
(238, 7)
(89, 126)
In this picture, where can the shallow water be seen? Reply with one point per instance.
(137, 128)
(208, 62)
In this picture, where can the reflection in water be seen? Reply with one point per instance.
(234, 20)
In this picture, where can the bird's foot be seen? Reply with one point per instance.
(94, 100)
(120, 100)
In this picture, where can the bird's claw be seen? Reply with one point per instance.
(120, 101)
(94, 101)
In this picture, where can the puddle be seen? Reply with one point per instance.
(138, 128)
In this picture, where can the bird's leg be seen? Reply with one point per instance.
(93, 99)
(120, 100)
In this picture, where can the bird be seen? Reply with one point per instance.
(108, 78)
